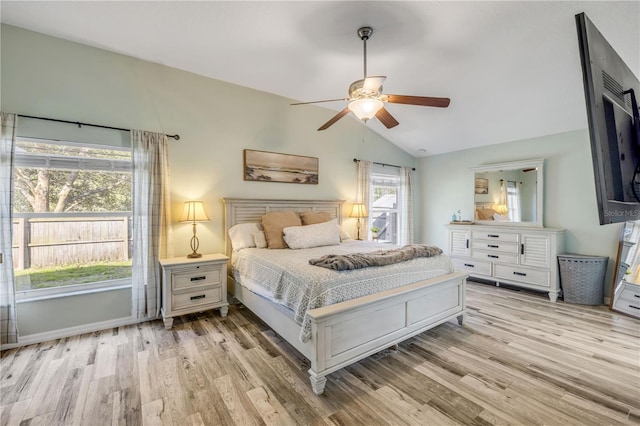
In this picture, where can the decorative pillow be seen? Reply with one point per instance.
(319, 234)
(242, 235)
(311, 218)
(486, 214)
(499, 218)
(273, 224)
(260, 239)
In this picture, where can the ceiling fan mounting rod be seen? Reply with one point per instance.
(365, 33)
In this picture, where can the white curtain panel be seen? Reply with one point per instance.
(152, 237)
(8, 321)
(364, 194)
(405, 232)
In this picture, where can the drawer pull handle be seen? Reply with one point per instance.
(493, 236)
(634, 307)
(493, 256)
(521, 248)
(493, 246)
(198, 278)
(636, 295)
(467, 243)
(200, 296)
(521, 274)
(469, 265)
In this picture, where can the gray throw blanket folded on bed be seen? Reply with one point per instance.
(343, 262)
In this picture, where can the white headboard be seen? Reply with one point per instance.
(485, 205)
(247, 210)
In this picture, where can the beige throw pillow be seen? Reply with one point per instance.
(273, 224)
(311, 218)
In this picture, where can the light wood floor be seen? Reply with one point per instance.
(518, 359)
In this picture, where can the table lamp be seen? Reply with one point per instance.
(358, 211)
(194, 212)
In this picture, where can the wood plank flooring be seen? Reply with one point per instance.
(518, 359)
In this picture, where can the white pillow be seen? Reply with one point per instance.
(499, 218)
(260, 239)
(319, 234)
(242, 235)
(344, 235)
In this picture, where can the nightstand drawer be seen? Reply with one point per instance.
(196, 276)
(205, 296)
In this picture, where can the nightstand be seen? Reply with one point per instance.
(193, 285)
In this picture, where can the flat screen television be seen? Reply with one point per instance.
(610, 90)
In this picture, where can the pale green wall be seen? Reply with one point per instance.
(569, 190)
(40, 316)
(49, 77)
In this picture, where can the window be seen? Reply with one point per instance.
(72, 216)
(513, 201)
(385, 206)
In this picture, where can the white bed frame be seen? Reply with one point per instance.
(349, 331)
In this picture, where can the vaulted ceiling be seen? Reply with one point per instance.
(511, 69)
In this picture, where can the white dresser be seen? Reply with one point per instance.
(519, 256)
(627, 298)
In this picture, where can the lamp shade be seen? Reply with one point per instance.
(365, 108)
(502, 209)
(358, 210)
(193, 212)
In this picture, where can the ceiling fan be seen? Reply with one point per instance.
(366, 99)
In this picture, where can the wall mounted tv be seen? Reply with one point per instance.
(610, 90)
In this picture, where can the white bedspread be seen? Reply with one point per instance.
(286, 277)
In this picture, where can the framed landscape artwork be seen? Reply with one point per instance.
(263, 166)
(482, 186)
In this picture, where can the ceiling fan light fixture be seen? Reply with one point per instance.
(365, 108)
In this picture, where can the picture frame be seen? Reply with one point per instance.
(265, 166)
(482, 186)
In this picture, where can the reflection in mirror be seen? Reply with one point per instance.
(625, 291)
(509, 193)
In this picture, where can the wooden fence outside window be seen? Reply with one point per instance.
(50, 239)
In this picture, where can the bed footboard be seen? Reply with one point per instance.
(349, 331)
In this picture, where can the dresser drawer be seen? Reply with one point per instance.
(495, 236)
(628, 292)
(495, 256)
(477, 266)
(499, 246)
(539, 277)
(196, 276)
(206, 296)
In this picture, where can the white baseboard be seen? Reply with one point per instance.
(73, 331)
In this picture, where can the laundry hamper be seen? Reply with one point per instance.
(582, 278)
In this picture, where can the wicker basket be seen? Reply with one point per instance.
(582, 278)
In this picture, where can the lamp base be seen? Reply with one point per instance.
(195, 243)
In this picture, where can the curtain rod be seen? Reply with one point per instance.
(355, 160)
(80, 124)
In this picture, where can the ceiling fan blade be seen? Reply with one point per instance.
(335, 118)
(318, 102)
(372, 84)
(386, 118)
(419, 100)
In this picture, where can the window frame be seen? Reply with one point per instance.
(396, 179)
(61, 162)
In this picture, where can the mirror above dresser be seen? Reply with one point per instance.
(508, 194)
